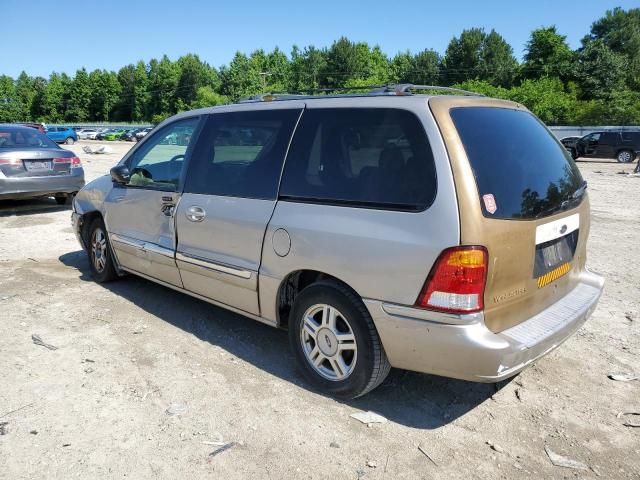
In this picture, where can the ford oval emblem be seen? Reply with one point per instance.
(563, 229)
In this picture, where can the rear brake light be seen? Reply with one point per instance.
(456, 282)
(74, 161)
(10, 161)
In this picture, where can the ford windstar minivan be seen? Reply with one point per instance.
(438, 233)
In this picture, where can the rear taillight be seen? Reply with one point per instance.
(456, 282)
(10, 161)
(73, 161)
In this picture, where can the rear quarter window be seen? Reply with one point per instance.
(360, 157)
(521, 170)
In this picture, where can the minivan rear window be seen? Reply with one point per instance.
(521, 170)
(360, 157)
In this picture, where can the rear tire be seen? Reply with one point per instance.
(625, 156)
(62, 199)
(69, 141)
(335, 342)
(574, 153)
(99, 252)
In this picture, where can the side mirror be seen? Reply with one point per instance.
(120, 174)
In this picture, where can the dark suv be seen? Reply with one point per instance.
(623, 146)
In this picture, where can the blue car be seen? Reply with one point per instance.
(62, 135)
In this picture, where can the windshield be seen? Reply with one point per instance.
(521, 171)
(24, 138)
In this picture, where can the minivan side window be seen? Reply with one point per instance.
(158, 163)
(360, 157)
(240, 154)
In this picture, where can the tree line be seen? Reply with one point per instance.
(598, 83)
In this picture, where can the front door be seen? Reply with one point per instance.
(591, 144)
(229, 196)
(140, 215)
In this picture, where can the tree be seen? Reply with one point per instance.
(24, 95)
(548, 55)
(620, 31)
(163, 80)
(207, 97)
(426, 68)
(600, 71)
(241, 78)
(478, 55)
(79, 98)
(105, 91)
(305, 68)
(9, 105)
(194, 74)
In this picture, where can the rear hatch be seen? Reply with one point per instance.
(522, 197)
(38, 162)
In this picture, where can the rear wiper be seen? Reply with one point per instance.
(580, 191)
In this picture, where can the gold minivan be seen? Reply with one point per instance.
(444, 234)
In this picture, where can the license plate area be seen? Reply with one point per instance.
(38, 165)
(556, 244)
(550, 255)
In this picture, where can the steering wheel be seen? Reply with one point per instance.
(176, 158)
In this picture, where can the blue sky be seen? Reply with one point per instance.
(45, 36)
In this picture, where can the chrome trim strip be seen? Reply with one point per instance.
(144, 246)
(431, 315)
(246, 274)
(157, 249)
(118, 239)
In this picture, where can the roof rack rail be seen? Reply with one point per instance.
(400, 89)
(405, 89)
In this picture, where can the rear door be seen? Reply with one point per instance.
(521, 195)
(140, 215)
(607, 145)
(229, 196)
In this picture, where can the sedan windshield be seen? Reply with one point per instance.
(24, 138)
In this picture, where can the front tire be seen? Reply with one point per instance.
(335, 343)
(99, 251)
(69, 141)
(625, 156)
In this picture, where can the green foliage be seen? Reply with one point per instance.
(548, 55)
(597, 84)
(481, 56)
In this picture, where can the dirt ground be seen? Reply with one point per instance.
(149, 383)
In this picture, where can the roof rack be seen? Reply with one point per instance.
(405, 89)
(402, 89)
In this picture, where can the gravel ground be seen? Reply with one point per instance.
(150, 383)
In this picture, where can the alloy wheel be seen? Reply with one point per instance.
(99, 249)
(328, 342)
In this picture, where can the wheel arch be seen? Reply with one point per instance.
(296, 281)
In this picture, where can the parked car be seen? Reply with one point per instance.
(622, 145)
(37, 126)
(388, 236)
(110, 134)
(62, 135)
(33, 165)
(94, 135)
(130, 135)
(143, 132)
(84, 133)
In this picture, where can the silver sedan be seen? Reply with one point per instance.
(32, 165)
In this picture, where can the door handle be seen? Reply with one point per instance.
(195, 213)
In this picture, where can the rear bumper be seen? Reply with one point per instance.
(471, 351)
(26, 187)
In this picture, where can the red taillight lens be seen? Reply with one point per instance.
(73, 161)
(456, 282)
(12, 161)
